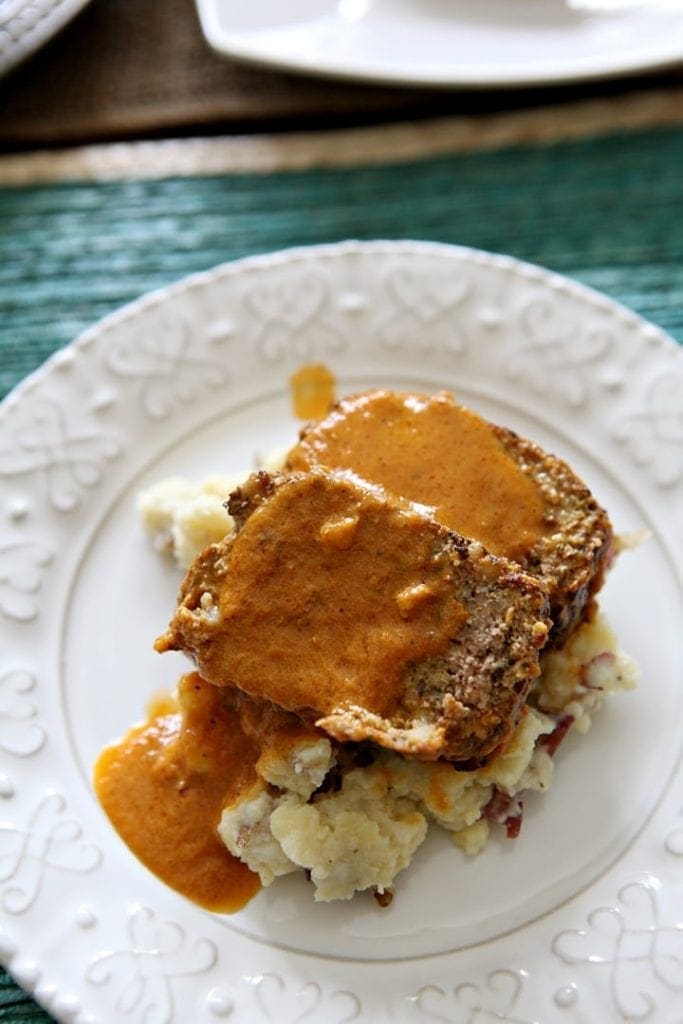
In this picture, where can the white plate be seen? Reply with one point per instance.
(578, 920)
(450, 42)
(26, 24)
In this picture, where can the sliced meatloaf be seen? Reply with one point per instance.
(362, 614)
(481, 480)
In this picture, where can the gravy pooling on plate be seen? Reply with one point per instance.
(164, 785)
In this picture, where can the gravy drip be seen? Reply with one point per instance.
(312, 390)
(330, 590)
(163, 788)
(429, 450)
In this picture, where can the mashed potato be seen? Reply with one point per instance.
(365, 829)
(354, 827)
(183, 518)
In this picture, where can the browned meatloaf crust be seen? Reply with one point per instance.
(461, 705)
(572, 558)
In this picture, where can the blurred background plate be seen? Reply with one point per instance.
(450, 42)
(27, 24)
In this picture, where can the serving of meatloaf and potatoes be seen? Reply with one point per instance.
(394, 623)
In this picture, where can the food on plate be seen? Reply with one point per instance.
(394, 624)
(483, 480)
(361, 613)
(365, 822)
(165, 785)
(183, 517)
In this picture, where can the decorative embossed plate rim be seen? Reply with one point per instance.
(88, 931)
(449, 42)
(25, 25)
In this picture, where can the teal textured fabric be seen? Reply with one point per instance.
(607, 211)
(16, 1007)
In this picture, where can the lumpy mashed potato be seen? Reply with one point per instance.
(354, 826)
(365, 828)
(183, 518)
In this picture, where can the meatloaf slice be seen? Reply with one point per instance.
(364, 615)
(482, 480)
(571, 558)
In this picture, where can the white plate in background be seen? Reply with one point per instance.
(487, 43)
(25, 25)
(577, 920)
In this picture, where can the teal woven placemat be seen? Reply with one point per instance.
(607, 211)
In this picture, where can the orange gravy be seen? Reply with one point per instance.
(165, 784)
(331, 591)
(427, 449)
(312, 389)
